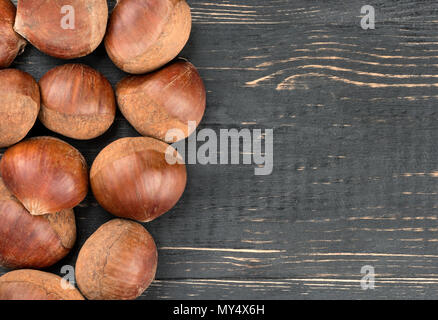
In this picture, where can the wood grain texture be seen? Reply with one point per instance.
(355, 173)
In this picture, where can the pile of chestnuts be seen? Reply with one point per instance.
(42, 179)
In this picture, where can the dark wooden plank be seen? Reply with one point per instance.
(355, 174)
(286, 289)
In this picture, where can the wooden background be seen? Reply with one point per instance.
(354, 114)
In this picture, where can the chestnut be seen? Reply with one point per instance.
(19, 107)
(46, 174)
(76, 101)
(11, 44)
(144, 35)
(133, 178)
(118, 262)
(166, 99)
(62, 29)
(28, 241)
(35, 285)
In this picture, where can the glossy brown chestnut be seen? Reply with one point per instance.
(28, 241)
(35, 285)
(47, 175)
(76, 101)
(62, 29)
(19, 105)
(144, 35)
(118, 262)
(163, 100)
(133, 178)
(11, 44)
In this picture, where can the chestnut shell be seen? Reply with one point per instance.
(163, 100)
(144, 35)
(132, 179)
(35, 285)
(118, 261)
(40, 22)
(76, 101)
(19, 107)
(28, 241)
(46, 174)
(11, 44)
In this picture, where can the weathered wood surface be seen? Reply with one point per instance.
(356, 167)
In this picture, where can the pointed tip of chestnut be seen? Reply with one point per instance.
(144, 35)
(35, 285)
(77, 101)
(167, 99)
(11, 44)
(61, 29)
(34, 206)
(118, 261)
(138, 178)
(46, 174)
(19, 107)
